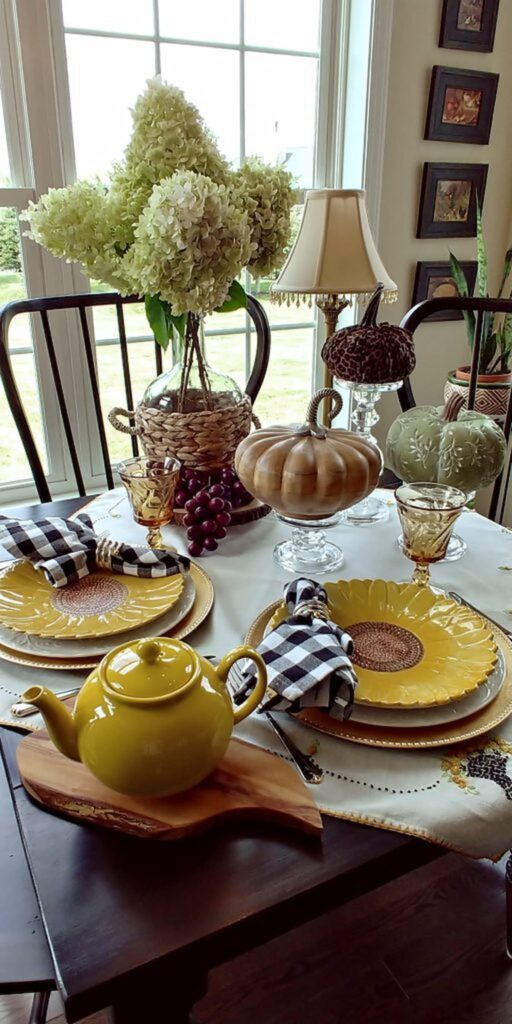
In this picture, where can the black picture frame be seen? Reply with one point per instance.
(444, 105)
(450, 185)
(428, 271)
(480, 37)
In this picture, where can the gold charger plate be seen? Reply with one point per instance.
(100, 604)
(201, 608)
(412, 648)
(435, 736)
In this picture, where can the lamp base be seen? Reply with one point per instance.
(308, 551)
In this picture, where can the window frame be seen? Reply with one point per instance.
(37, 109)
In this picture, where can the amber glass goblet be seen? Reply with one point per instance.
(427, 513)
(151, 484)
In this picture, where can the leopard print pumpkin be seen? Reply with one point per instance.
(370, 353)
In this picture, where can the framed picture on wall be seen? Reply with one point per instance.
(433, 280)
(469, 24)
(460, 105)
(448, 200)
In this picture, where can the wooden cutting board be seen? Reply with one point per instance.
(248, 784)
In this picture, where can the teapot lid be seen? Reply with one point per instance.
(148, 670)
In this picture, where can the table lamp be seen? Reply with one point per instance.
(335, 259)
(334, 256)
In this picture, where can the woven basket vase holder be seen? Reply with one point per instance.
(203, 440)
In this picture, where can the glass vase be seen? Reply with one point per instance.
(192, 385)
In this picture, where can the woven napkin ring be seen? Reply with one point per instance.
(314, 607)
(106, 549)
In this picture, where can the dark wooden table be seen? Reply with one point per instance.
(137, 924)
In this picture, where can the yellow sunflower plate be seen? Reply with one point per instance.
(412, 648)
(101, 604)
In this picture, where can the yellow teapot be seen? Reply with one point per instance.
(153, 718)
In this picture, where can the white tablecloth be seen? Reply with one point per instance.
(428, 793)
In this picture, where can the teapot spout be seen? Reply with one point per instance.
(58, 720)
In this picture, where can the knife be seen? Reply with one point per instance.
(463, 600)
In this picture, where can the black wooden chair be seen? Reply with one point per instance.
(416, 316)
(81, 303)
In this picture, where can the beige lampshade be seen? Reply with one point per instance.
(334, 253)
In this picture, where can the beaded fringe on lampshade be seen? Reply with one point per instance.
(297, 298)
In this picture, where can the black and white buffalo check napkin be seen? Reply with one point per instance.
(307, 655)
(68, 549)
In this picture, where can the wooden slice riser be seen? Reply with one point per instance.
(249, 784)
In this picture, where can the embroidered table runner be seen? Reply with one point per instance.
(458, 797)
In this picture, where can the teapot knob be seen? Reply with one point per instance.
(148, 651)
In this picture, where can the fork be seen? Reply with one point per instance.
(307, 767)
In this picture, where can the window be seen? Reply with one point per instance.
(266, 81)
(13, 285)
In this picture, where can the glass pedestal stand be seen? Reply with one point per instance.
(364, 417)
(307, 550)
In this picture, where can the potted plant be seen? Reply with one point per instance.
(494, 369)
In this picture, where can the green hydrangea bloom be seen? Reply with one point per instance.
(77, 224)
(268, 196)
(170, 135)
(190, 243)
(173, 219)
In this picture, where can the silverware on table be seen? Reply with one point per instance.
(463, 600)
(307, 767)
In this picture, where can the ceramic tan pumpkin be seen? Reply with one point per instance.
(448, 446)
(308, 471)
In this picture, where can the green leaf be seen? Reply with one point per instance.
(506, 343)
(158, 313)
(180, 323)
(489, 345)
(506, 270)
(481, 254)
(462, 287)
(237, 299)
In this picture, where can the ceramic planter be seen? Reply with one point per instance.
(492, 393)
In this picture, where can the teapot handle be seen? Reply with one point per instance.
(254, 698)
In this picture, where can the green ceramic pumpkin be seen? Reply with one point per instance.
(449, 446)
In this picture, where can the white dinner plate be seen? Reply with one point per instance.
(49, 647)
(417, 718)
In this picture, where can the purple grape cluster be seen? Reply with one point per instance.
(208, 500)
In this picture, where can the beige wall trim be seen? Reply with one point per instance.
(380, 58)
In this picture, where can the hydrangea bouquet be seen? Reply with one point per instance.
(173, 223)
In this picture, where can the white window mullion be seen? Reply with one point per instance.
(52, 162)
(12, 90)
(156, 21)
